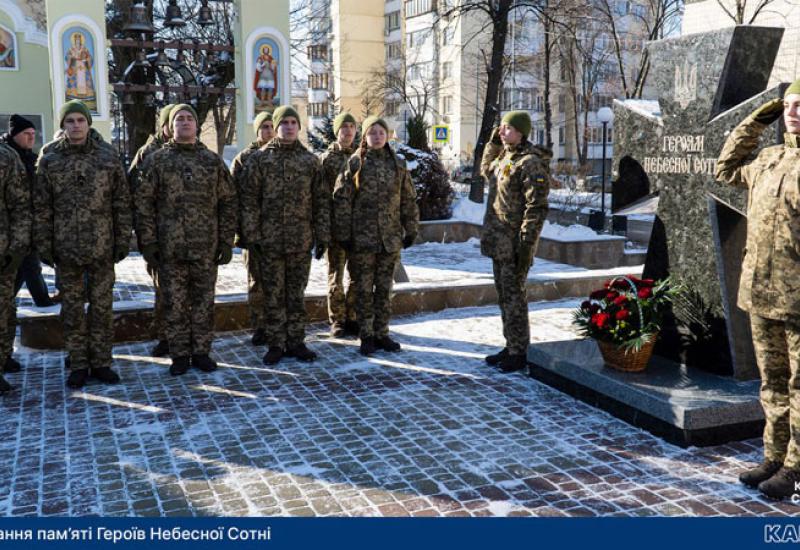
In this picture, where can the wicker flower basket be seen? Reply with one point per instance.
(627, 361)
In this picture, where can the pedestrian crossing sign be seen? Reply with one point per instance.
(441, 134)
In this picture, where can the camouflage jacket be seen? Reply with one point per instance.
(378, 210)
(82, 208)
(15, 204)
(94, 136)
(519, 181)
(238, 171)
(333, 162)
(185, 203)
(283, 202)
(153, 143)
(770, 282)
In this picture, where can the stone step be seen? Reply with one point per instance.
(683, 405)
(42, 330)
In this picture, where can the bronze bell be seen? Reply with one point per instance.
(139, 21)
(162, 60)
(174, 18)
(205, 18)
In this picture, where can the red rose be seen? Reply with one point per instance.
(600, 320)
(645, 292)
(648, 282)
(594, 309)
(586, 305)
(620, 300)
(622, 314)
(598, 294)
(620, 284)
(611, 295)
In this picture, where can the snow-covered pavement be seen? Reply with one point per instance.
(427, 431)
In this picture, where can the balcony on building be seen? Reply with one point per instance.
(413, 8)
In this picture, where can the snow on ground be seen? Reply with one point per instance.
(427, 265)
(466, 210)
(573, 233)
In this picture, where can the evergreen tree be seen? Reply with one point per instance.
(322, 138)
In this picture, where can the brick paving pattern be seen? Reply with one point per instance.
(429, 431)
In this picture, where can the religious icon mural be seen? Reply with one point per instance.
(8, 49)
(266, 73)
(80, 73)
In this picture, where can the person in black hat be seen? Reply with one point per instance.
(20, 137)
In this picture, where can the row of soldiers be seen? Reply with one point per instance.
(356, 206)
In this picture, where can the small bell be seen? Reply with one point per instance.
(139, 22)
(162, 60)
(205, 18)
(173, 17)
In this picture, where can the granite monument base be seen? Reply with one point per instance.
(682, 405)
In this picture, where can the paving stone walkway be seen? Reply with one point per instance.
(429, 431)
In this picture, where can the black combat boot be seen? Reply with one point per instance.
(12, 365)
(760, 473)
(301, 351)
(105, 375)
(204, 363)
(4, 386)
(273, 355)
(351, 328)
(513, 363)
(161, 349)
(387, 344)
(77, 378)
(783, 484)
(337, 329)
(179, 366)
(494, 359)
(368, 346)
(259, 337)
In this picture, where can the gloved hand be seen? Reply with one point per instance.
(120, 253)
(524, 258)
(495, 137)
(409, 239)
(319, 251)
(769, 112)
(151, 254)
(11, 262)
(224, 255)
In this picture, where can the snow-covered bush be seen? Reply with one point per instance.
(431, 181)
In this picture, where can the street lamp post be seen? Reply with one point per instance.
(605, 115)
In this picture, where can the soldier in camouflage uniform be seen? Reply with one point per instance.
(375, 214)
(186, 220)
(15, 231)
(285, 212)
(154, 143)
(82, 215)
(769, 288)
(264, 130)
(341, 304)
(518, 174)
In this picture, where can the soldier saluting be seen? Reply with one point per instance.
(83, 226)
(769, 287)
(518, 173)
(186, 219)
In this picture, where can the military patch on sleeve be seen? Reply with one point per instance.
(540, 179)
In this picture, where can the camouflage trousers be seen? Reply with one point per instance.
(188, 289)
(513, 301)
(374, 277)
(777, 347)
(255, 298)
(283, 279)
(8, 317)
(88, 333)
(341, 303)
(159, 324)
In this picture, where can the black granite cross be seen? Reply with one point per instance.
(705, 85)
